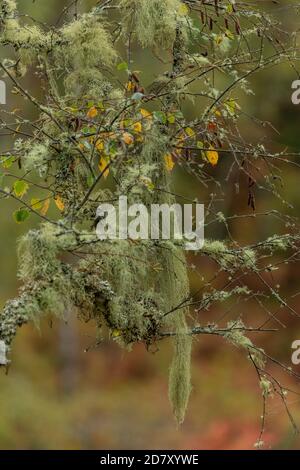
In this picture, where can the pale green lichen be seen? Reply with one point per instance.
(37, 158)
(278, 243)
(87, 44)
(154, 21)
(235, 334)
(7, 8)
(37, 252)
(229, 259)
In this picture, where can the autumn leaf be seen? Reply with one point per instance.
(100, 145)
(20, 188)
(103, 166)
(169, 162)
(36, 204)
(92, 112)
(171, 118)
(59, 203)
(137, 127)
(146, 114)
(45, 207)
(190, 132)
(116, 333)
(212, 156)
(129, 86)
(211, 126)
(127, 138)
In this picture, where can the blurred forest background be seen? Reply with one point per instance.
(57, 396)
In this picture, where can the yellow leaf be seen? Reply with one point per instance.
(128, 138)
(212, 156)
(171, 118)
(92, 112)
(129, 86)
(189, 131)
(137, 127)
(183, 10)
(103, 166)
(36, 204)
(45, 207)
(59, 203)
(100, 145)
(116, 333)
(169, 162)
(146, 114)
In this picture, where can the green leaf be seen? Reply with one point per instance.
(86, 130)
(21, 215)
(171, 118)
(90, 180)
(160, 116)
(20, 188)
(122, 66)
(7, 161)
(229, 8)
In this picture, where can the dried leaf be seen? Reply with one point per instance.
(103, 162)
(128, 138)
(169, 162)
(212, 156)
(45, 207)
(92, 112)
(59, 203)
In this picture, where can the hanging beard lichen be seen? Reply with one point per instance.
(180, 370)
(155, 21)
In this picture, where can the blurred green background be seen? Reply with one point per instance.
(56, 396)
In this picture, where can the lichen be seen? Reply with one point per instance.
(37, 158)
(154, 22)
(235, 334)
(229, 259)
